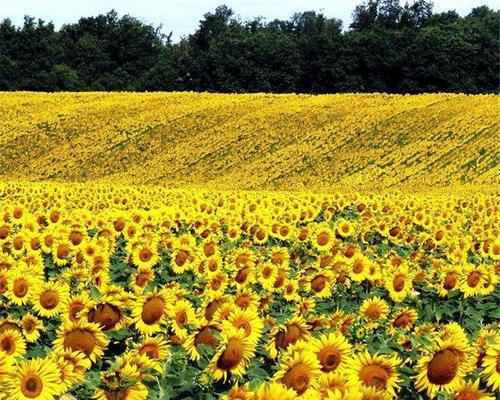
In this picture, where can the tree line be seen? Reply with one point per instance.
(388, 47)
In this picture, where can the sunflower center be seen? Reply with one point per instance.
(63, 251)
(106, 315)
(31, 386)
(374, 375)
(398, 283)
(211, 309)
(150, 350)
(266, 272)
(318, 283)
(357, 267)
(323, 238)
(232, 355)
(402, 321)
(80, 340)
(181, 318)
(29, 326)
(473, 279)
(466, 396)
(373, 312)
(7, 345)
(6, 325)
(216, 283)
(242, 275)
(74, 309)
(145, 255)
(209, 249)
(20, 288)
(49, 299)
(18, 243)
(450, 280)
(141, 279)
(152, 310)
(297, 378)
(329, 359)
(205, 336)
(76, 238)
(443, 367)
(498, 364)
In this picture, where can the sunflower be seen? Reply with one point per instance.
(282, 336)
(261, 236)
(209, 267)
(31, 326)
(245, 299)
(274, 391)
(470, 391)
(81, 336)
(371, 393)
(136, 391)
(12, 343)
(34, 379)
(374, 310)
(279, 256)
(75, 306)
(233, 233)
(448, 279)
(216, 285)
(20, 287)
(333, 352)
(235, 353)
(150, 311)
(155, 347)
(298, 369)
(444, 368)
(107, 313)
(145, 254)
(181, 315)
(404, 319)
(244, 276)
(238, 392)
(323, 237)
(267, 275)
(248, 320)
(399, 282)
(62, 253)
(207, 335)
(141, 278)
(74, 363)
(182, 260)
(291, 290)
(4, 281)
(378, 372)
(491, 366)
(334, 386)
(359, 266)
(344, 228)
(473, 279)
(320, 284)
(50, 298)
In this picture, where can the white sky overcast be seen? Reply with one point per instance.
(182, 16)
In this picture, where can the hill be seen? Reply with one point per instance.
(255, 141)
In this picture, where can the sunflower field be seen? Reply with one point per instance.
(370, 277)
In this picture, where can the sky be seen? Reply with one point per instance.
(182, 16)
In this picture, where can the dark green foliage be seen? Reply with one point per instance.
(389, 47)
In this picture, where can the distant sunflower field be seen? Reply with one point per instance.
(138, 263)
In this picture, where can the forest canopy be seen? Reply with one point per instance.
(388, 47)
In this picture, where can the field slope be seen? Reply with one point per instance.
(255, 141)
